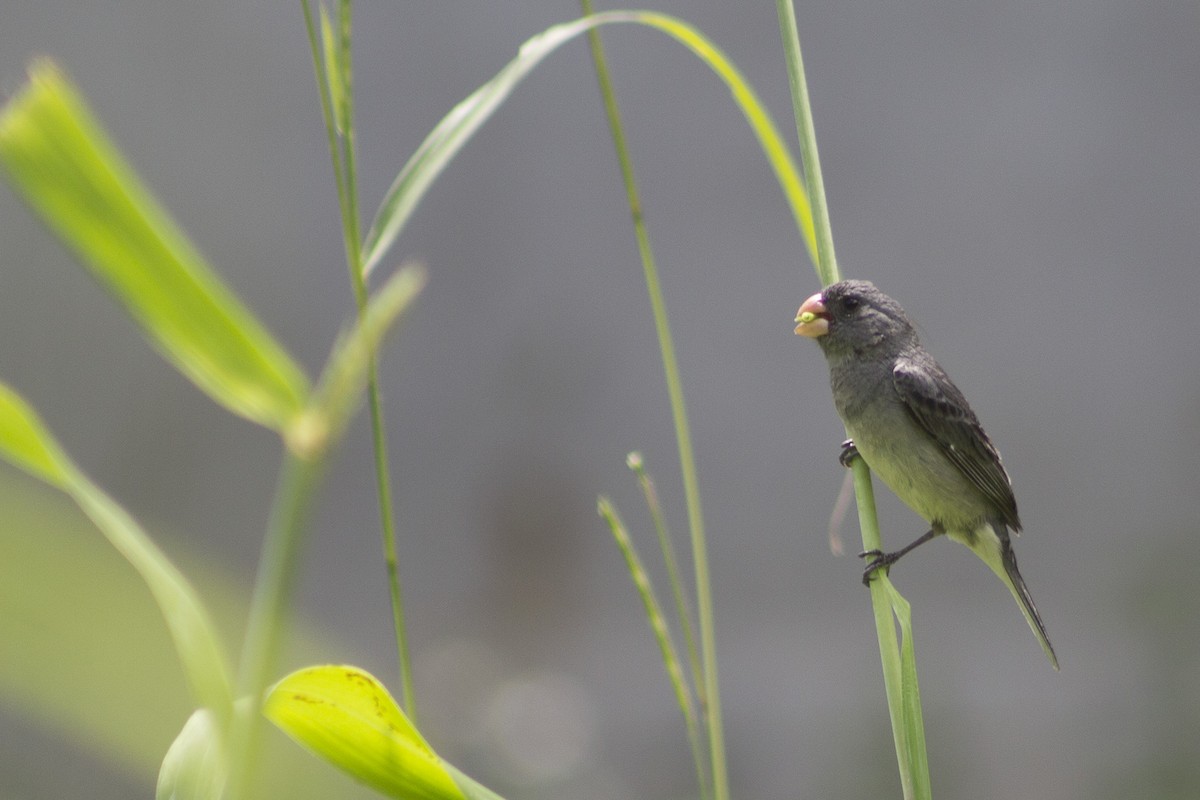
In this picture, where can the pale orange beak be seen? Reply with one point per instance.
(813, 318)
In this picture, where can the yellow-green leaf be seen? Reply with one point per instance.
(25, 443)
(347, 717)
(59, 160)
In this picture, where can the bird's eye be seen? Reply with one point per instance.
(851, 303)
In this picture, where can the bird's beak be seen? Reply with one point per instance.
(813, 318)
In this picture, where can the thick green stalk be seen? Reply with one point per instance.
(687, 460)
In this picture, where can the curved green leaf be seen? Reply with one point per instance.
(62, 164)
(457, 127)
(347, 717)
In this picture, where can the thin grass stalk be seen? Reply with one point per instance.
(345, 174)
(327, 113)
(383, 483)
(827, 269)
(687, 460)
(658, 623)
(910, 749)
(682, 609)
(345, 115)
(387, 518)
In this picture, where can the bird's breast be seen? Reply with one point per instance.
(904, 456)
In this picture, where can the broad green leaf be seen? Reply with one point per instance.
(457, 127)
(59, 160)
(345, 376)
(194, 767)
(27, 444)
(347, 717)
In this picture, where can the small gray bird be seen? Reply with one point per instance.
(916, 431)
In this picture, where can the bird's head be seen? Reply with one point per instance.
(855, 318)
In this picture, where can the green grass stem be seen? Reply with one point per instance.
(682, 610)
(337, 108)
(826, 261)
(683, 436)
(662, 634)
(899, 668)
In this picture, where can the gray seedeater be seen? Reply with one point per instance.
(916, 431)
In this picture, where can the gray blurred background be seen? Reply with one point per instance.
(1023, 177)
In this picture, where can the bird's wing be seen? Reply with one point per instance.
(939, 407)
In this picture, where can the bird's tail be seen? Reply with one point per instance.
(1003, 562)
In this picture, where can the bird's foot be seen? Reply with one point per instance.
(879, 561)
(848, 454)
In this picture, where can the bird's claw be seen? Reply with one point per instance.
(848, 454)
(879, 561)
